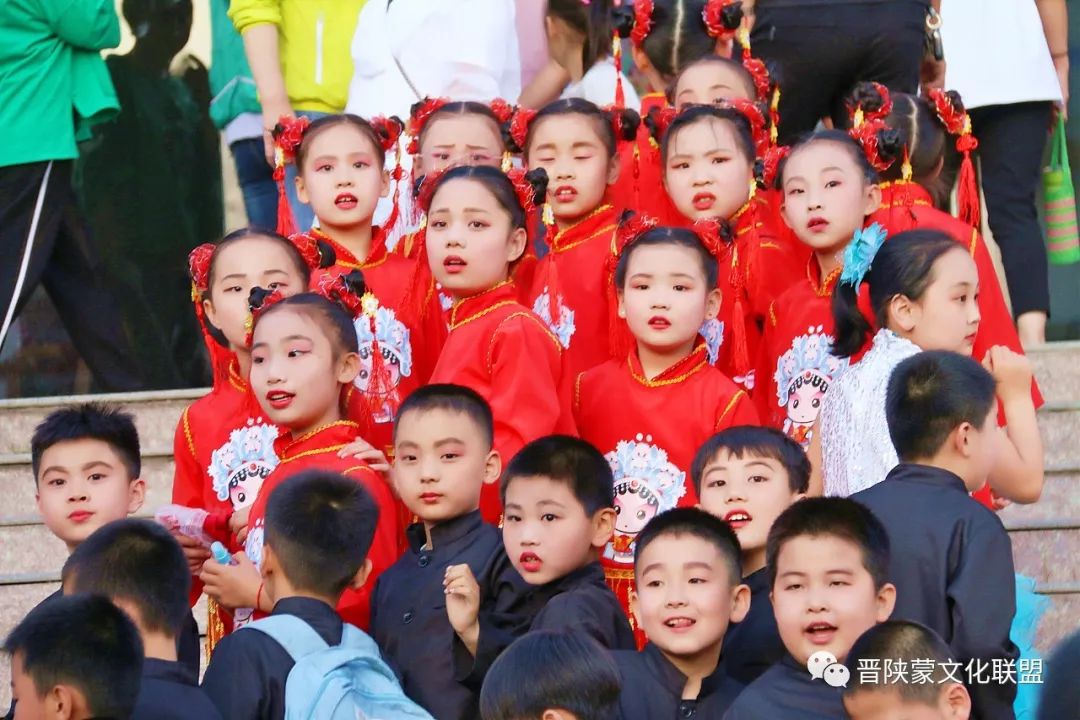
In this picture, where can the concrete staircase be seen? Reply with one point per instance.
(1046, 536)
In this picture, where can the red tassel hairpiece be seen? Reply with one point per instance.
(950, 110)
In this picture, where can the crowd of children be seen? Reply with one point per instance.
(558, 449)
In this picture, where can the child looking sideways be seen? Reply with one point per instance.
(687, 573)
(665, 281)
(828, 561)
(443, 457)
(476, 220)
(747, 476)
(303, 362)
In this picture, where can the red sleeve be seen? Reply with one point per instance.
(777, 270)
(188, 478)
(216, 525)
(737, 411)
(354, 606)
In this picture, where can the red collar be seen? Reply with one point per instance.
(903, 193)
(238, 382)
(813, 274)
(326, 439)
(345, 258)
(651, 100)
(688, 366)
(470, 308)
(602, 220)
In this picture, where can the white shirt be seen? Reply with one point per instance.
(996, 52)
(459, 49)
(598, 86)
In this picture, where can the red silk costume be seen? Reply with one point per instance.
(507, 354)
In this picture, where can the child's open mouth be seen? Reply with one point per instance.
(279, 399)
(704, 201)
(817, 224)
(345, 201)
(738, 519)
(820, 633)
(530, 562)
(659, 323)
(565, 194)
(679, 624)
(454, 264)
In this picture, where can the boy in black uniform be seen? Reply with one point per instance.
(548, 675)
(952, 558)
(927, 689)
(140, 567)
(686, 575)
(559, 512)
(747, 476)
(75, 657)
(319, 528)
(443, 456)
(827, 560)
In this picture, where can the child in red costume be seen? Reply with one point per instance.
(709, 172)
(907, 202)
(341, 175)
(830, 187)
(476, 220)
(665, 280)
(575, 142)
(303, 362)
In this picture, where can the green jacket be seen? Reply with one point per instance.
(51, 72)
(230, 76)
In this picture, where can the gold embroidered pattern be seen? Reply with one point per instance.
(187, 433)
(730, 406)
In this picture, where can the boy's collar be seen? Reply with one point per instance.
(927, 474)
(444, 532)
(590, 573)
(673, 678)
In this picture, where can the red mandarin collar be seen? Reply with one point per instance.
(236, 380)
(325, 439)
(345, 257)
(601, 220)
(474, 306)
(813, 274)
(689, 365)
(651, 100)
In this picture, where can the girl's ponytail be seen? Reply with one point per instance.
(851, 328)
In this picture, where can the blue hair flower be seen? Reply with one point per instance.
(860, 252)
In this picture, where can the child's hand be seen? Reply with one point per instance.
(194, 551)
(233, 586)
(1011, 370)
(361, 449)
(463, 604)
(238, 524)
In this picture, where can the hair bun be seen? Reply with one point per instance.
(890, 144)
(624, 122)
(354, 282)
(622, 20)
(257, 297)
(538, 179)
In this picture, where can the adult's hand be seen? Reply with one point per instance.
(1061, 67)
(271, 114)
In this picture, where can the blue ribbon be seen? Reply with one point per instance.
(859, 254)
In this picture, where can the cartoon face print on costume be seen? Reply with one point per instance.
(565, 328)
(378, 329)
(803, 375)
(237, 468)
(646, 484)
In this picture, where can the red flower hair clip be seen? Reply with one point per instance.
(199, 270)
(643, 10)
(867, 135)
(770, 163)
(950, 110)
(755, 116)
(502, 110)
(288, 134)
(418, 119)
(711, 234)
(388, 129)
(519, 126)
(722, 17)
(859, 113)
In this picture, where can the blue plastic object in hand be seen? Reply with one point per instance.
(221, 553)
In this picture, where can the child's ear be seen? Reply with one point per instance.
(348, 368)
(301, 190)
(64, 702)
(384, 190)
(361, 575)
(136, 495)
(269, 562)
(492, 467)
(740, 603)
(603, 526)
(955, 701)
(211, 314)
(622, 303)
(903, 312)
(516, 247)
(886, 601)
(635, 606)
(873, 199)
(712, 303)
(614, 166)
(961, 439)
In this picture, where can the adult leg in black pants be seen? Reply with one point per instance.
(1012, 139)
(819, 52)
(38, 206)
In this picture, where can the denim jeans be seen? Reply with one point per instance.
(256, 182)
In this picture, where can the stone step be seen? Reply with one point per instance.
(18, 489)
(156, 414)
(1057, 369)
(1059, 503)
(1059, 426)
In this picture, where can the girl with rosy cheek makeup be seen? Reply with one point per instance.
(476, 232)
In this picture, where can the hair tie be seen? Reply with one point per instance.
(722, 18)
(859, 254)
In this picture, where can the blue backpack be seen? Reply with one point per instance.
(349, 681)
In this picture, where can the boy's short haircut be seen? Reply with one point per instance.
(752, 441)
(831, 517)
(899, 641)
(94, 421)
(137, 561)
(930, 395)
(86, 642)
(320, 526)
(450, 398)
(697, 523)
(546, 670)
(568, 460)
